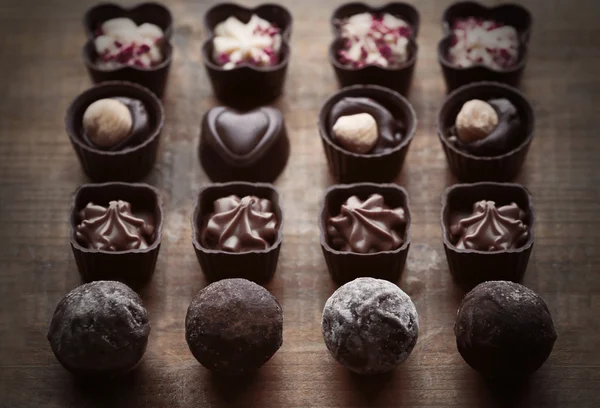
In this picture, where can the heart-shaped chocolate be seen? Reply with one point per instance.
(241, 133)
(241, 138)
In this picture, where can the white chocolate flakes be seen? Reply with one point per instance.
(483, 42)
(257, 43)
(121, 42)
(374, 40)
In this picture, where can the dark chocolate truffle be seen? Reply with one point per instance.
(113, 228)
(234, 326)
(240, 225)
(99, 328)
(489, 228)
(504, 330)
(366, 226)
(370, 325)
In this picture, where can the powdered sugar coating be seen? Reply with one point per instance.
(99, 328)
(370, 325)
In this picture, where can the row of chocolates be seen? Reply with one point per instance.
(247, 50)
(234, 326)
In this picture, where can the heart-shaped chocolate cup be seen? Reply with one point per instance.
(246, 146)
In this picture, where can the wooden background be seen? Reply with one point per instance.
(41, 72)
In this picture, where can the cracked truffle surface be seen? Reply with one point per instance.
(99, 328)
(370, 325)
(504, 330)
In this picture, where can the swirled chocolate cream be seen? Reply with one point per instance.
(114, 227)
(367, 226)
(490, 228)
(240, 224)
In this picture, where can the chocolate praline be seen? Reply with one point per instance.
(504, 330)
(99, 328)
(234, 326)
(370, 325)
(243, 146)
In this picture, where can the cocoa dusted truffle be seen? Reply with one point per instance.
(241, 224)
(490, 228)
(234, 326)
(504, 330)
(370, 325)
(114, 228)
(367, 226)
(99, 328)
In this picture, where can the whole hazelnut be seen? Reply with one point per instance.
(356, 133)
(475, 121)
(107, 122)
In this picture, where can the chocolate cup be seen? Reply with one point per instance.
(471, 267)
(149, 12)
(129, 164)
(265, 168)
(471, 168)
(133, 267)
(246, 86)
(349, 167)
(257, 265)
(347, 266)
(510, 14)
(397, 79)
(154, 78)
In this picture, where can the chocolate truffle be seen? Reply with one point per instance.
(99, 328)
(370, 325)
(504, 330)
(114, 228)
(483, 42)
(240, 224)
(366, 226)
(481, 132)
(243, 146)
(234, 326)
(121, 42)
(256, 43)
(374, 39)
(489, 228)
(352, 137)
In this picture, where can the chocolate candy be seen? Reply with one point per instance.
(234, 326)
(390, 130)
(114, 228)
(489, 228)
(249, 146)
(240, 225)
(504, 330)
(366, 226)
(505, 136)
(370, 325)
(99, 328)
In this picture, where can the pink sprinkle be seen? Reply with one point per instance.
(144, 48)
(118, 44)
(223, 59)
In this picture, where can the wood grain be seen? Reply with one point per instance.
(41, 72)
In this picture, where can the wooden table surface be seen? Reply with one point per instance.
(41, 72)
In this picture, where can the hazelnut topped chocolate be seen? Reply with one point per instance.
(256, 43)
(490, 228)
(367, 226)
(114, 228)
(484, 42)
(115, 123)
(121, 42)
(240, 224)
(379, 39)
(362, 125)
(487, 128)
